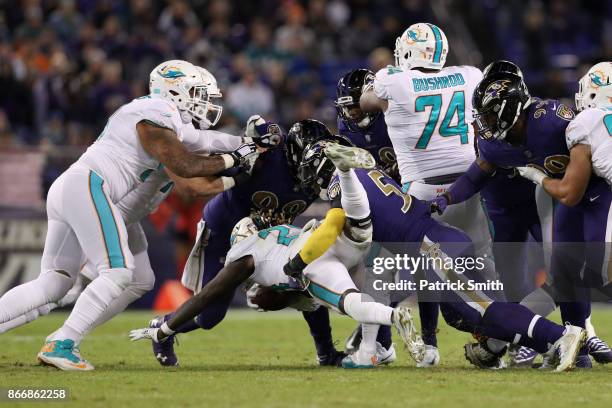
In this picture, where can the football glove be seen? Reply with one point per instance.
(244, 153)
(533, 174)
(264, 134)
(438, 204)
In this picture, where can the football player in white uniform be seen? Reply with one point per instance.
(428, 111)
(135, 206)
(84, 222)
(260, 256)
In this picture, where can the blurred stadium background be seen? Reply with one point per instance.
(66, 65)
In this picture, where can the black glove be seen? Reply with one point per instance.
(242, 154)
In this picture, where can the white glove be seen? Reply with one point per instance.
(250, 294)
(144, 334)
(265, 135)
(533, 174)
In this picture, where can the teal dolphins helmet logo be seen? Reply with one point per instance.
(170, 72)
(597, 79)
(594, 90)
(414, 36)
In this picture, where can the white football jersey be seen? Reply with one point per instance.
(117, 155)
(271, 249)
(593, 127)
(429, 119)
(119, 158)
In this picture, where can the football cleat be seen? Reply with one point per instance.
(360, 359)
(565, 350)
(353, 341)
(479, 355)
(583, 361)
(599, 350)
(431, 358)
(63, 355)
(164, 350)
(521, 356)
(331, 359)
(385, 356)
(347, 157)
(402, 320)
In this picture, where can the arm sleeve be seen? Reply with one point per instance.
(468, 184)
(324, 236)
(209, 141)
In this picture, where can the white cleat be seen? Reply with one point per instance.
(565, 350)
(385, 356)
(431, 357)
(63, 355)
(402, 320)
(360, 359)
(348, 157)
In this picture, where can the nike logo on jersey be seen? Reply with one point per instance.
(591, 199)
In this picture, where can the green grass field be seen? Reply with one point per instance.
(267, 360)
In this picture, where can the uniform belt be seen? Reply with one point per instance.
(444, 179)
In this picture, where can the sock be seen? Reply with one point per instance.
(354, 198)
(575, 313)
(185, 328)
(384, 336)
(49, 287)
(320, 329)
(516, 324)
(539, 302)
(428, 312)
(92, 303)
(368, 338)
(363, 308)
(590, 329)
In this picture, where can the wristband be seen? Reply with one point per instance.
(228, 182)
(229, 161)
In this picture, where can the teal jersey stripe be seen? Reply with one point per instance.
(107, 221)
(438, 38)
(324, 294)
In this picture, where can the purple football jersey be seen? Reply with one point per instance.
(272, 191)
(375, 140)
(396, 216)
(544, 147)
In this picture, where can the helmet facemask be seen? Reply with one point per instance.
(204, 112)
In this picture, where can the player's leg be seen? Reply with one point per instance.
(60, 264)
(143, 278)
(102, 235)
(598, 259)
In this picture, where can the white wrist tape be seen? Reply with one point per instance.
(228, 182)
(228, 160)
(166, 330)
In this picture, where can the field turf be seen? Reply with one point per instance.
(267, 360)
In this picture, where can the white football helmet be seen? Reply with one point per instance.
(186, 86)
(243, 229)
(422, 45)
(595, 88)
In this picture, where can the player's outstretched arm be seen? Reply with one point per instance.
(205, 187)
(318, 242)
(570, 189)
(470, 183)
(163, 144)
(223, 285)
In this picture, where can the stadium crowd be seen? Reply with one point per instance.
(66, 65)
